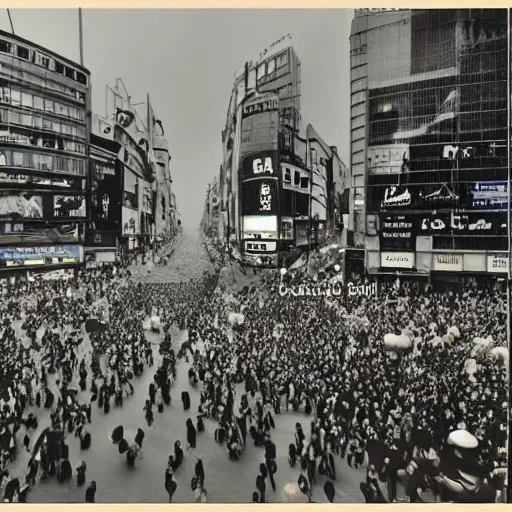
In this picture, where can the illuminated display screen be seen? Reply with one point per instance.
(255, 226)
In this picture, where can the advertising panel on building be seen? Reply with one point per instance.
(398, 260)
(448, 262)
(41, 255)
(498, 262)
(260, 165)
(259, 197)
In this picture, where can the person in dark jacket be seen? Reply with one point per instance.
(90, 493)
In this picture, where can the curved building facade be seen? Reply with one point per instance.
(44, 105)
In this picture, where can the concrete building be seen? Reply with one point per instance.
(268, 179)
(44, 145)
(147, 206)
(428, 143)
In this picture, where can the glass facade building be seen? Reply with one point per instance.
(435, 167)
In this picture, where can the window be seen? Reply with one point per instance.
(49, 105)
(282, 60)
(27, 100)
(287, 178)
(37, 122)
(61, 109)
(38, 103)
(81, 78)
(59, 67)
(23, 52)
(304, 182)
(261, 71)
(5, 94)
(17, 159)
(70, 72)
(271, 66)
(5, 47)
(15, 97)
(26, 119)
(286, 229)
(47, 124)
(296, 178)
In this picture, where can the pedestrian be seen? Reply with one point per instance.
(90, 493)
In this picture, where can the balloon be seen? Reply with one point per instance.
(462, 439)
(481, 341)
(501, 353)
(470, 366)
(455, 331)
(394, 342)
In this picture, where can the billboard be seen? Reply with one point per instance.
(259, 197)
(260, 227)
(41, 255)
(14, 233)
(21, 206)
(260, 165)
(65, 207)
(131, 221)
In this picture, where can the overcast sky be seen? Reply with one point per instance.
(185, 60)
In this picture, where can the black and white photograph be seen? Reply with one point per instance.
(254, 255)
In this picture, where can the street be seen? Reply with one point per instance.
(226, 481)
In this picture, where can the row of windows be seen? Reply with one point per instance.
(29, 160)
(41, 123)
(19, 98)
(268, 67)
(45, 61)
(13, 73)
(298, 180)
(23, 136)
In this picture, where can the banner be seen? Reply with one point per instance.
(42, 255)
(497, 263)
(13, 178)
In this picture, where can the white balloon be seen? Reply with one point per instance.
(283, 271)
(337, 268)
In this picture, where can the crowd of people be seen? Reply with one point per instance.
(321, 359)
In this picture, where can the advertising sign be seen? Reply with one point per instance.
(396, 227)
(12, 178)
(259, 197)
(131, 221)
(259, 226)
(260, 165)
(497, 263)
(259, 246)
(397, 259)
(388, 159)
(11, 233)
(21, 206)
(65, 207)
(492, 195)
(260, 105)
(448, 262)
(42, 255)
